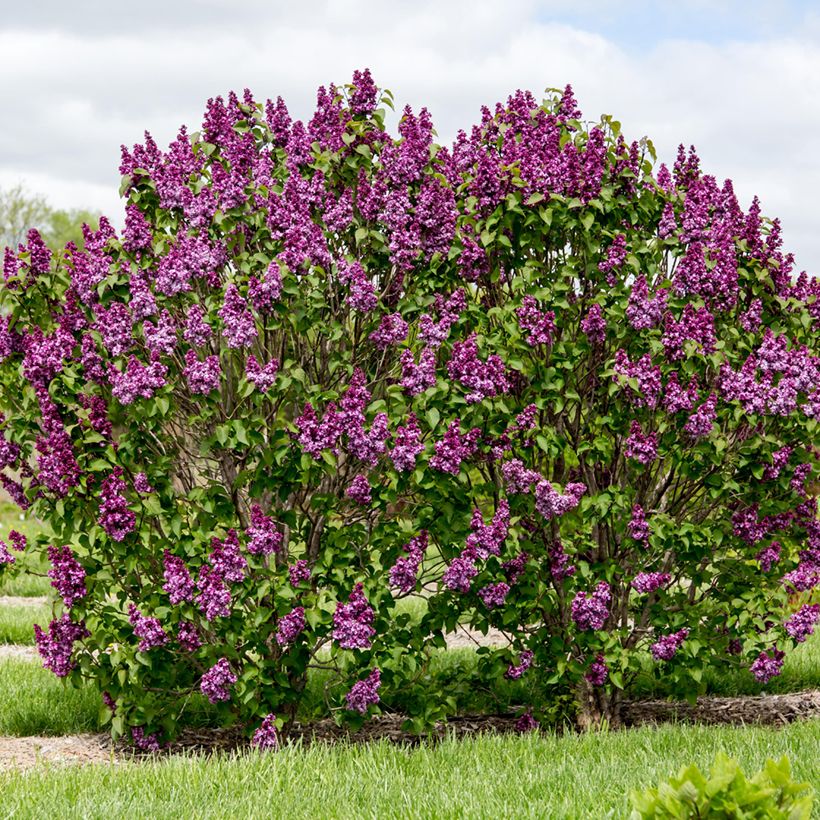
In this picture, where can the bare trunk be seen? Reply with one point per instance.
(598, 708)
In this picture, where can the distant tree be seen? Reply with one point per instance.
(66, 226)
(20, 211)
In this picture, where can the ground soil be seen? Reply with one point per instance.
(768, 710)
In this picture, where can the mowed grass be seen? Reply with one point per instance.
(17, 622)
(28, 578)
(536, 775)
(35, 702)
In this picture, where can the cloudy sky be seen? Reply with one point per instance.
(740, 79)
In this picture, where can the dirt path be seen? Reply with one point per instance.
(27, 752)
(464, 638)
(18, 600)
(14, 651)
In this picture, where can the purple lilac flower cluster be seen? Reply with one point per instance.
(638, 527)
(364, 693)
(404, 573)
(214, 598)
(644, 311)
(460, 572)
(361, 291)
(143, 741)
(643, 447)
(203, 376)
(391, 330)
(416, 378)
(299, 573)
(769, 556)
(56, 646)
(348, 419)
(115, 517)
(227, 559)
(646, 582)
(780, 458)
(136, 381)
(615, 258)
(647, 376)
(540, 326)
(291, 626)
(263, 537)
(217, 681)
(265, 292)
(676, 397)
(266, 738)
(18, 540)
(526, 723)
(590, 610)
(142, 485)
(594, 324)
(487, 539)
(353, 621)
(560, 564)
(360, 491)
(5, 556)
(407, 445)
(800, 625)
(483, 379)
(433, 333)
(178, 581)
(552, 504)
(454, 448)
(702, 421)
(67, 575)
(768, 665)
(666, 647)
(696, 325)
(262, 376)
(598, 671)
(197, 332)
(148, 630)
(162, 336)
(238, 323)
(494, 595)
(188, 636)
(515, 671)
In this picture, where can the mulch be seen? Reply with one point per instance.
(766, 710)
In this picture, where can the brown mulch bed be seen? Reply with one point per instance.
(766, 710)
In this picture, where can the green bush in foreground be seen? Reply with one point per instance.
(771, 793)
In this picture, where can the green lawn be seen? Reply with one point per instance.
(17, 622)
(573, 776)
(22, 584)
(35, 702)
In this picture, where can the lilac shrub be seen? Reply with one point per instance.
(535, 378)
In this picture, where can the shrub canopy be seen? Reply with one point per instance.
(532, 378)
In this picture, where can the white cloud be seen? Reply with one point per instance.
(72, 93)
